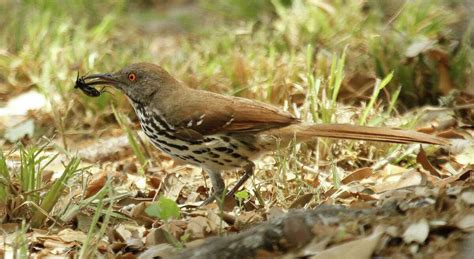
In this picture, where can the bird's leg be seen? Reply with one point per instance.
(218, 187)
(248, 171)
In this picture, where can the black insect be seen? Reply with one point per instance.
(86, 88)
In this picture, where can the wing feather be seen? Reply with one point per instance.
(224, 114)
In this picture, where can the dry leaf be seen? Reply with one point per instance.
(154, 182)
(69, 235)
(451, 134)
(466, 223)
(200, 227)
(301, 201)
(468, 196)
(173, 186)
(175, 227)
(96, 184)
(358, 175)
(467, 156)
(422, 159)
(134, 244)
(247, 219)
(417, 232)
(361, 248)
(409, 177)
(155, 236)
(59, 245)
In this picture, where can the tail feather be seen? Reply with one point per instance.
(306, 132)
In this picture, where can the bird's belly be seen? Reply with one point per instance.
(212, 152)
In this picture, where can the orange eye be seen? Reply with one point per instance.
(132, 77)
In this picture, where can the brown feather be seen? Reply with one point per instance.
(208, 113)
(306, 132)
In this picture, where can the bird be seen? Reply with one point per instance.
(219, 132)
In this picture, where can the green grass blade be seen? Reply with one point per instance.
(132, 138)
(379, 85)
(53, 194)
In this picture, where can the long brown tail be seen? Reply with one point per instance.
(306, 132)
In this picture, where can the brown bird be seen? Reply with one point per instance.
(218, 132)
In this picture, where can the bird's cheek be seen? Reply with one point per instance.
(122, 87)
(129, 91)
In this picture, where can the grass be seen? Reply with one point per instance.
(26, 187)
(89, 247)
(74, 38)
(267, 50)
(133, 139)
(379, 86)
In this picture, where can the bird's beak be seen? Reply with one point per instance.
(101, 79)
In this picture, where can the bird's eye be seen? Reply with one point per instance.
(132, 77)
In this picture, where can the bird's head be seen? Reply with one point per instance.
(140, 81)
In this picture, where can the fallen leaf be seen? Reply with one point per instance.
(122, 232)
(59, 245)
(97, 182)
(417, 232)
(466, 223)
(468, 196)
(154, 181)
(301, 201)
(247, 219)
(218, 219)
(409, 177)
(358, 175)
(200, 227)
(451, 134)
(173, 186)
(69, 235)
(465, 174)
(422, 159)
(157, 236)
(466, 157)
(134, 244)
(361, 248)
(139, 209)
(137, 180)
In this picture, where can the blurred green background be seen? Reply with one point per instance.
(268, 50)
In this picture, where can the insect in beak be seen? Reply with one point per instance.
(86, 87)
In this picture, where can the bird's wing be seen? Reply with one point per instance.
(225, 114)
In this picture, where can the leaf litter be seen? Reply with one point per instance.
(435, 195)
